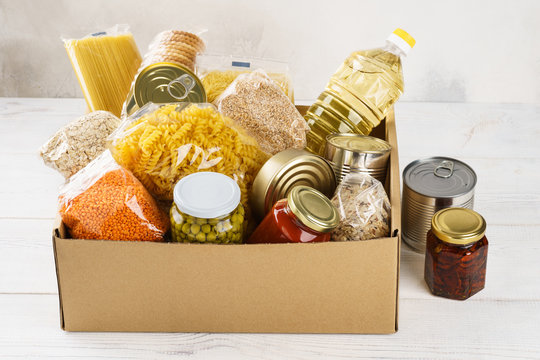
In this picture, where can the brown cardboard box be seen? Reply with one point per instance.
(335, 287)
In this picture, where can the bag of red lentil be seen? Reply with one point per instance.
(105, 201)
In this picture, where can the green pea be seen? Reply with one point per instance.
(241, 210)
(213, 222)
(185, 228)
(211, 237)
(201, 237)
(195, 228)
(200, 221)
(206, 228)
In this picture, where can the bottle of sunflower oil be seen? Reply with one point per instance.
(361, 92)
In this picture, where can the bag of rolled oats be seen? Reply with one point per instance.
(79, 142)
(364, 208)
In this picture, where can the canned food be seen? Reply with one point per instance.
(430, 185)
(163, 83)
(353, 153)
(285, 170)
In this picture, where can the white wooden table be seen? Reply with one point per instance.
(502, 144)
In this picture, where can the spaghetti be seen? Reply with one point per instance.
(105, 64)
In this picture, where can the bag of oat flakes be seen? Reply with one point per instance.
(79, 142)
(364, 208)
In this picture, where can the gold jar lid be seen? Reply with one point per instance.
(458, 226)
(313, 209)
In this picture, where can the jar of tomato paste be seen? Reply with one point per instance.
(456, 253)
(306, 215)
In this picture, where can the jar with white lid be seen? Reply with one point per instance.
(207, 209)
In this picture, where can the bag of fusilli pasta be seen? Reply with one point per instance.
(162, 143)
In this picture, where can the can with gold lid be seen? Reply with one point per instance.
(430, 185)
(285, 170)
(163, 83)
(354, 153)
(456, 253)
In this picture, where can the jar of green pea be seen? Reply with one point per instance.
(207, 209)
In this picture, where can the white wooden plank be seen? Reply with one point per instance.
(437, 328)
(502, 131)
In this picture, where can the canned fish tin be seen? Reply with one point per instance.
(285, 170)
(165, 82)
(354, 153)
(430, 185)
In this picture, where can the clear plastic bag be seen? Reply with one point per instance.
(105, 201)
(161, 143)
(258, 105)
(217, 72)
(105, 63)
(79, 142)
(364, 209)
(177, 46)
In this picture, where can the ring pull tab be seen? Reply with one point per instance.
(445, 165)
(187, 83)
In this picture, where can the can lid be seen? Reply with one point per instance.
(357, 142)
(206, 195)
(165, 82)
(440, 177)
(285, 170)
(313, 209)
(458, 226)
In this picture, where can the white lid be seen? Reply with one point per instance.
(206, 195)
(402, 40)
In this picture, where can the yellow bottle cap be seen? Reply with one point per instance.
(405, 36)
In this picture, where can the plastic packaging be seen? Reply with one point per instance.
(161, 144)
(79, 142)
(360, 93)
(258, 105)
(364, 208)
(207, 209)
(176, 46)
(105, 64)
(217, 72)
(105, 201)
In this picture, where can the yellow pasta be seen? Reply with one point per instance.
(105, 66)
(216, 81)
(166, 144)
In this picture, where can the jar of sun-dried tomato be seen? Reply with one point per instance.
(456, 253)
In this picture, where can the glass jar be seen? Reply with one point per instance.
(456, 253)
(207, 209)
(306, 215)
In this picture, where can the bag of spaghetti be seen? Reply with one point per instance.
(162, 143)
(105, 201)
(217, 72)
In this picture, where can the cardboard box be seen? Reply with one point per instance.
(335, 287)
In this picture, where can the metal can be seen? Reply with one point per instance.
(430, 185)
(285, 170)
(163, 83)
(354, 153)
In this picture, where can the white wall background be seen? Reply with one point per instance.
(467, 51)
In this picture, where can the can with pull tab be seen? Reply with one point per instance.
(430, 185)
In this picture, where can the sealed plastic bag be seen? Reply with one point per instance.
(79, 142)
(177, 46)
(105, 201)
(364, 208)
(161, 144)
(105, 63)
(217, 72)
(258, 105)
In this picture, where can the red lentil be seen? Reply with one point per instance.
(115, 207)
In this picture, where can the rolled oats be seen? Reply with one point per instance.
(79, 142)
